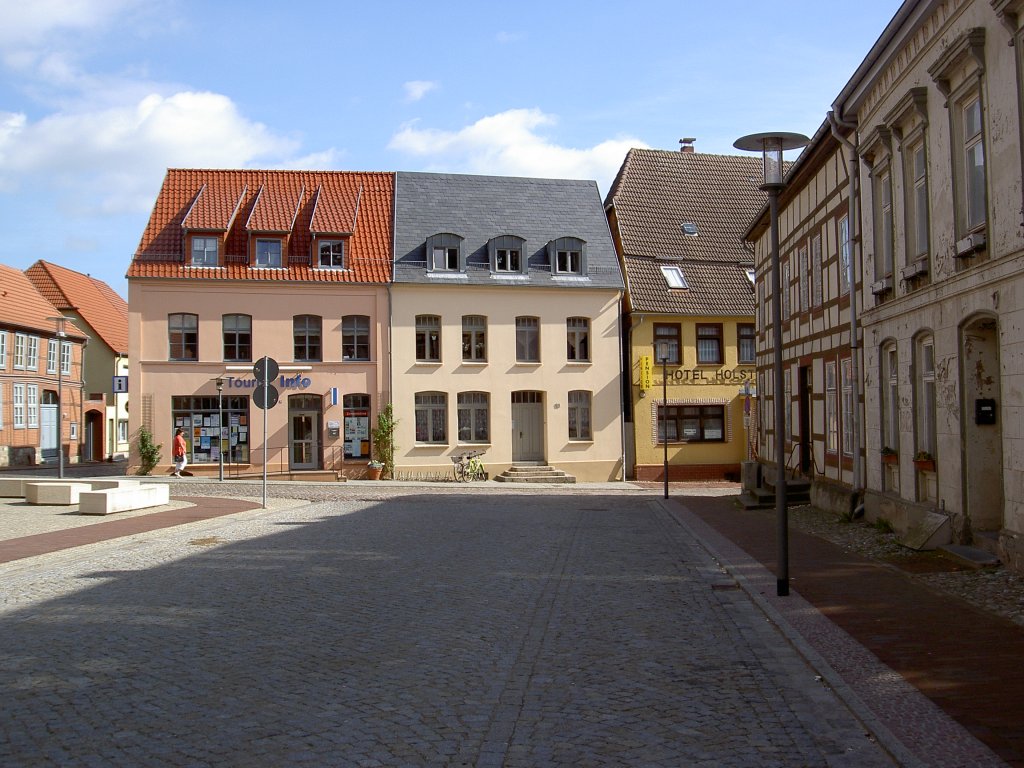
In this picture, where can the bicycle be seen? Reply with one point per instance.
(468, 467)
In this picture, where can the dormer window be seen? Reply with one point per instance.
(444, 253)
(568, 256)
(507, 255)
(204, 252)
(268, 253)
(332, 254)
(674, 277)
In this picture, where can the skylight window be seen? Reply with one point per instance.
(750, 275)
(689, 228)
(674, 277)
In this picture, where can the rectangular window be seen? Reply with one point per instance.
(506, 260)
(51, 355)
(674, 277)
(570, 262)
(883, 225)
(446, 259)
(667, 343)
(122, 431)
(786, 291)
(65, 358)
(846, 369)
(474, 338)
(803, 276)
(428, 338)
(844, 255)
(579, 415)
(917, 206)
(20, 344)
(32, 355)
(831, 408)
(32, 405)
(431, 417)
(1, 405)
(746, 343)
(183, 336)
(198, 417)
(18, 402)
(709, 344)
(527, 340)
(3, 350)
(268, 253)
(890, 399)
(691, 423)
(355, 337)
(577, 331)
(925, 405)
(204, 252)
(474, 417)
(307, 336)
(332, 254)
(817, 278)
(974, 165)
(237, 331)
(787, 398)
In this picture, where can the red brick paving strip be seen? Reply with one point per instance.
(205, 508)
(969, 662)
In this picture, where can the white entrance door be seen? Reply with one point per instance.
(527, 426)
(302, 440)
(48, 431)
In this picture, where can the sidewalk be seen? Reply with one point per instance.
(966, 661)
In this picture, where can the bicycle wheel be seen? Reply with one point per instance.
(476, 471)
(460, 472)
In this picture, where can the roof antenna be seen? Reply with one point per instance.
(686, 145)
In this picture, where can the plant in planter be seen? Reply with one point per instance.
(149, 452)
(924, 461)
(890, 456)
(383, 437)
(374, 469)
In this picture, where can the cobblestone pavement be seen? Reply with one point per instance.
(403, 627)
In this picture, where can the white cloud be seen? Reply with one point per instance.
(417, 89)
(510, 143)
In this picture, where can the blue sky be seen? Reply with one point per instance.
(99, 97)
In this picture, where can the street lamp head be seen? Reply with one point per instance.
(220, 384)
(771, 146)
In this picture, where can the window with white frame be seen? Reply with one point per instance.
(579, 415)
(883, 223)
(974, 164)
(786, 291)
(668, 343)
(746, 343)
(817, 278)
(570, 262)
(567, 256)
(710, 344)
(890, 397)
(474, 338)
(577, 332)
(122, 430)
(183, 336)
(32, 358)
(18, 403)
(431, 417)
(846, 384)
(355, 337)
(674, 277)
(844, 255)
(3, 350)
(73, 431)
(268, 253)
(237, 335)
(428, 339)
(527, 340)
(691, 423)
(924, 405)
(307, 338)
(20, 345)
(831, 408)
(916, 174)
(444, 252)
(803, 277)
(32, 405)
(65, 357)
(51, 355)
(331, 254)
(204, 252)
(474, 417)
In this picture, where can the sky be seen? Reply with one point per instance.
(99, 97)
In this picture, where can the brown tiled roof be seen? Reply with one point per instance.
(94, 300)
(22, 306)
(242, 202)
(654, 194)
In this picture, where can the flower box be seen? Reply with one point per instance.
(924, 465)
(890, 458)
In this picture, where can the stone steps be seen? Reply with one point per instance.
(534, 473)
(798, 492)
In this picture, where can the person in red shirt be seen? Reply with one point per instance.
(179, 451)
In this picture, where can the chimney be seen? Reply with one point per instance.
(686, 145)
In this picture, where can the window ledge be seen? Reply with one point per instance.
(579, 363)
(581, 440)
(428, 363)
(529, 363)
(204, 266)
(447, 275)
(465, 444)
(570, 278)
(515, 276)
(476, 363)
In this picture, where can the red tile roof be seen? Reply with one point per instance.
(97, 303)
(23, 307)
(240, 203)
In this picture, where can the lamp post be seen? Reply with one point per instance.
(664, 415)
(59, 322)
(220, 427)
(771, 146)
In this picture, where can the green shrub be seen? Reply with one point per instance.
(149, 454)
(383, 437)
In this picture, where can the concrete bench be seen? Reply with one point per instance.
(54, 494)
(14, 487)
(110, 500)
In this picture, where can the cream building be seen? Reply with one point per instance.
(505, 326)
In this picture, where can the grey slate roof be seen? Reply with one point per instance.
(655, 192)
(479, 208)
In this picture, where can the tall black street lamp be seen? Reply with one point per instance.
(220, 427)
(771, 146)
(664, 415)
(59, 321)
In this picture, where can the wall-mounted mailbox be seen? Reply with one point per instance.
(985, 410)
(334, 429)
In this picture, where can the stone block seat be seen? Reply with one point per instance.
(55, 494)
(107, 501)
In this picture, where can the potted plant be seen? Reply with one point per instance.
(383, 439)
(374, 469)
(924, 461)
(890, 456)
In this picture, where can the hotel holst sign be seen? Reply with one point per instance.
(679, 375)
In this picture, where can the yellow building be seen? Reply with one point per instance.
(677, 219)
